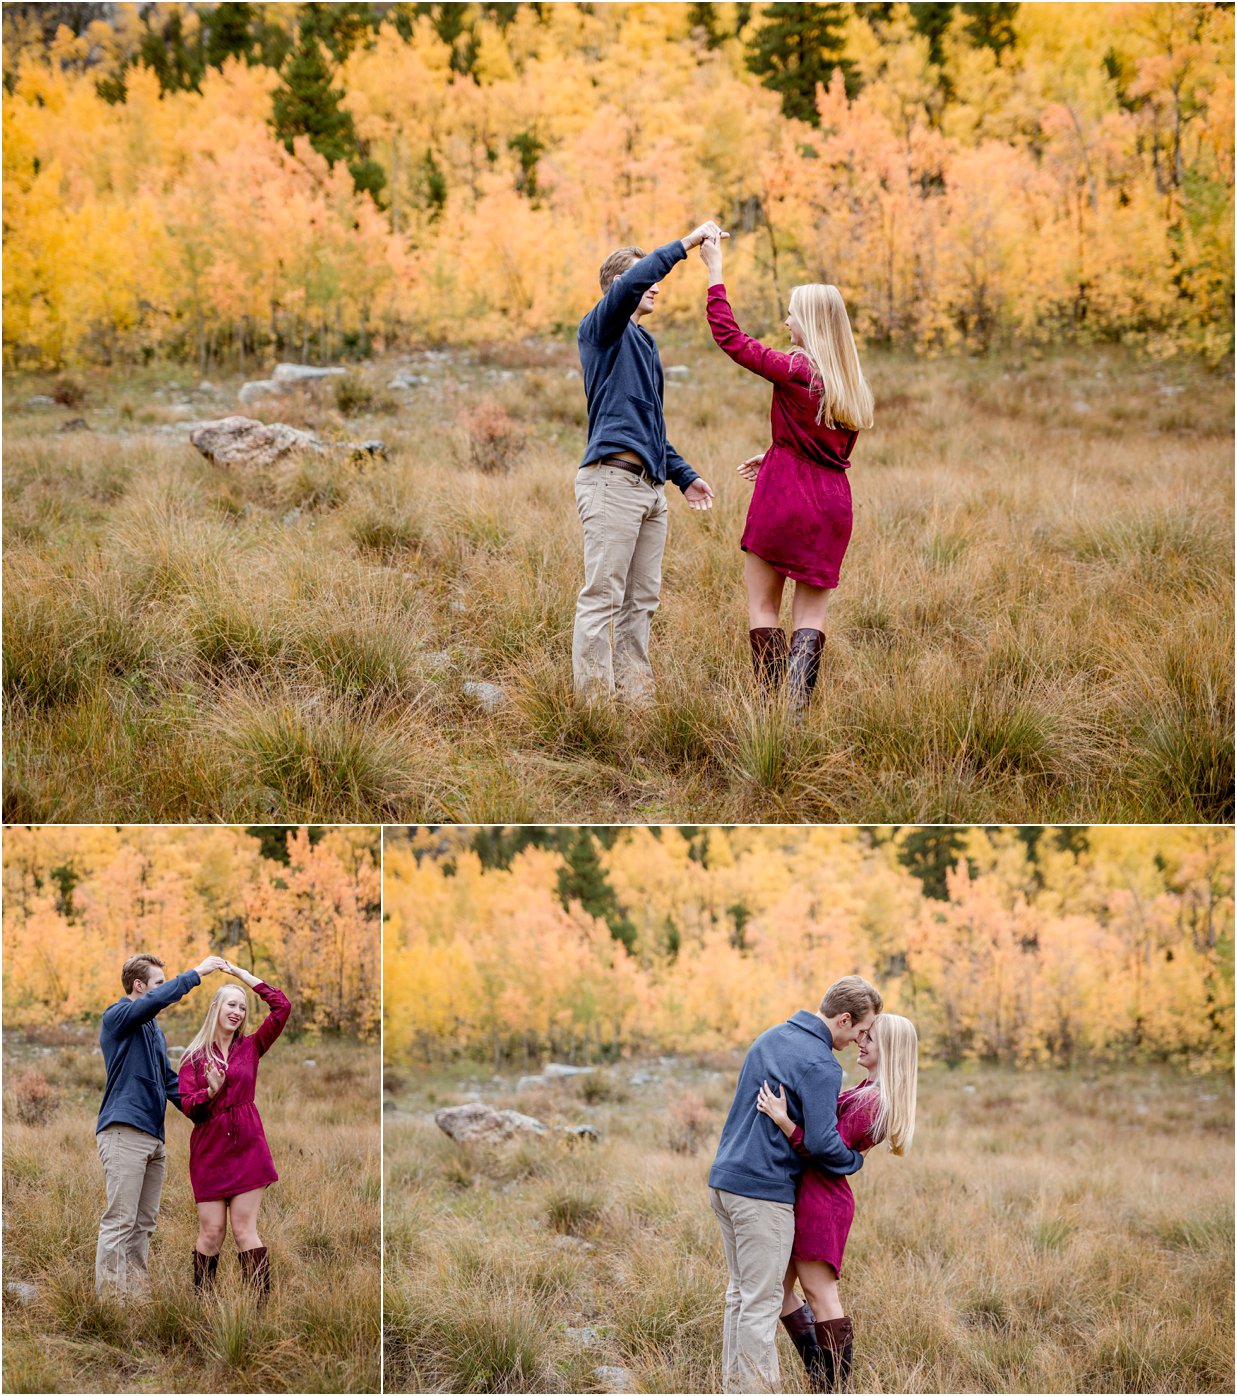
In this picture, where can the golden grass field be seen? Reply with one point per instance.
(1034, 622)
(321, 1222)
(1048, 1232)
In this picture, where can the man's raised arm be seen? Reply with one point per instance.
(129, 1014)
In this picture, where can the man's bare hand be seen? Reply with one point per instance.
(699, 494)
(705, 230)
(751, 467)
(210, 964)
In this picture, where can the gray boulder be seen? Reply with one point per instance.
(259, 387)
(614, 1379)
(302, 373)
(240, 443)
(560, 1070)
(482, 1124)
(486, 695)
(22, 1292)
(40, 400)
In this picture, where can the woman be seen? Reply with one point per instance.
(881, 1108)
(230, 1164)
(799, 520)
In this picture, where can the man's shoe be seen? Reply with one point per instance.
(768, 658)
(256, 1269)
(204, 1267)
(801, 1325)
(806, 647)
(836, 1339)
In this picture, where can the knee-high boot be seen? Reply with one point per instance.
(256, 1268)
(836, 1338)
(806, 647)
(204, 1267)
(801, 1325)
(769, 655)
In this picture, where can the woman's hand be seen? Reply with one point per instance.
(775, 1107)
(751, 467)
(242, 974)
(215, 1077)
(711, 255)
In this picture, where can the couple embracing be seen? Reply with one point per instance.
(778, 1183)
(230, 1164)
(799, 520)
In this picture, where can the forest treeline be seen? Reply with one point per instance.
(1029, 947)
(213, 182)
(297, 906)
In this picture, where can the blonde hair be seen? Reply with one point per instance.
(896, 1080)
(829, 346)
(202, 1043)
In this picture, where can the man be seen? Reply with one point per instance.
(755, 1172)
(620, 486)
(129, 1131)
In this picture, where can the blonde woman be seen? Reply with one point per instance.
(878, 1110)
(230, 1164)
(799, 519)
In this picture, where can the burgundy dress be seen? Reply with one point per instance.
(800, 518)
(824, 1204)
(228, 1152)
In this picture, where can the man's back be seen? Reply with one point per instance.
(140, 1080)
(754, 1158)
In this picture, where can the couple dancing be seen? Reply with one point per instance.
(799, 518)
(778, 1183)
(230, 1164)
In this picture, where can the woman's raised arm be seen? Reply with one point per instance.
(276, 1019)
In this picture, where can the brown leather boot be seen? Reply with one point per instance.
(256, 1268)
(204, 1267)
(806, 647)
(801, 1325)
(769, 656)
(836, 1338)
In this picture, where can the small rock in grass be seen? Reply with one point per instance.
(309, 1061)
(678, 371)
(573, 1243)
(476, 1123)
(559, 1069)
(303, 373)
(614, 1378)
(487, 695)
(40, 400)
(256, 388)
(586, 1337)
(21, 1291)
(589, 1132)
(75, 424)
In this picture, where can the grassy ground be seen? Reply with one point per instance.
(1047, 1233)
(321, 1223)
(1034, 622)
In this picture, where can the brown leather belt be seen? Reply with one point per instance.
(629, 466)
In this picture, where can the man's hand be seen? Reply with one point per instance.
(705, 230)
(751, 466)
(210, 964)
(699, 494)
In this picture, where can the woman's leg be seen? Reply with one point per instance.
(809, 606)
(790, 1300)
(834, 1333)
(820, 1286)
(212, 1226)
(764, 592)
(244, 1209)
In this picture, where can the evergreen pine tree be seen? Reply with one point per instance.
(229, 33)
(991, 25)
(796, 47)
(582, 878)
(929, 854)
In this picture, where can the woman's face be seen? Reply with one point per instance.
(869, 1054)
(232, 1010)
(796, 330)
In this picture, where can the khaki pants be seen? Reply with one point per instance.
(624, 520)
(757, 1237)
(133, 1164)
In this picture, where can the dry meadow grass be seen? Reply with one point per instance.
(1047, 1233)
(321, 1223)
(1034, 623)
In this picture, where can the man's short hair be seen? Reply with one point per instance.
(851, 995)
(137, 967)
(617, 263)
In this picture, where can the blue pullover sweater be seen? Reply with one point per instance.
(754, 1158)
(140, 1079)
(623, 378)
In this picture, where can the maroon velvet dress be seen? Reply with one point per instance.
(800, 516)
(824, 1204)
(228, 1152)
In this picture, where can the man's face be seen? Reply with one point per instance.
(154, 977)
(648, 301)
(853, 1031)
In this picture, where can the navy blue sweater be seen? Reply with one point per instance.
(140, 1079)
(754, 1158)
(623, 378)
